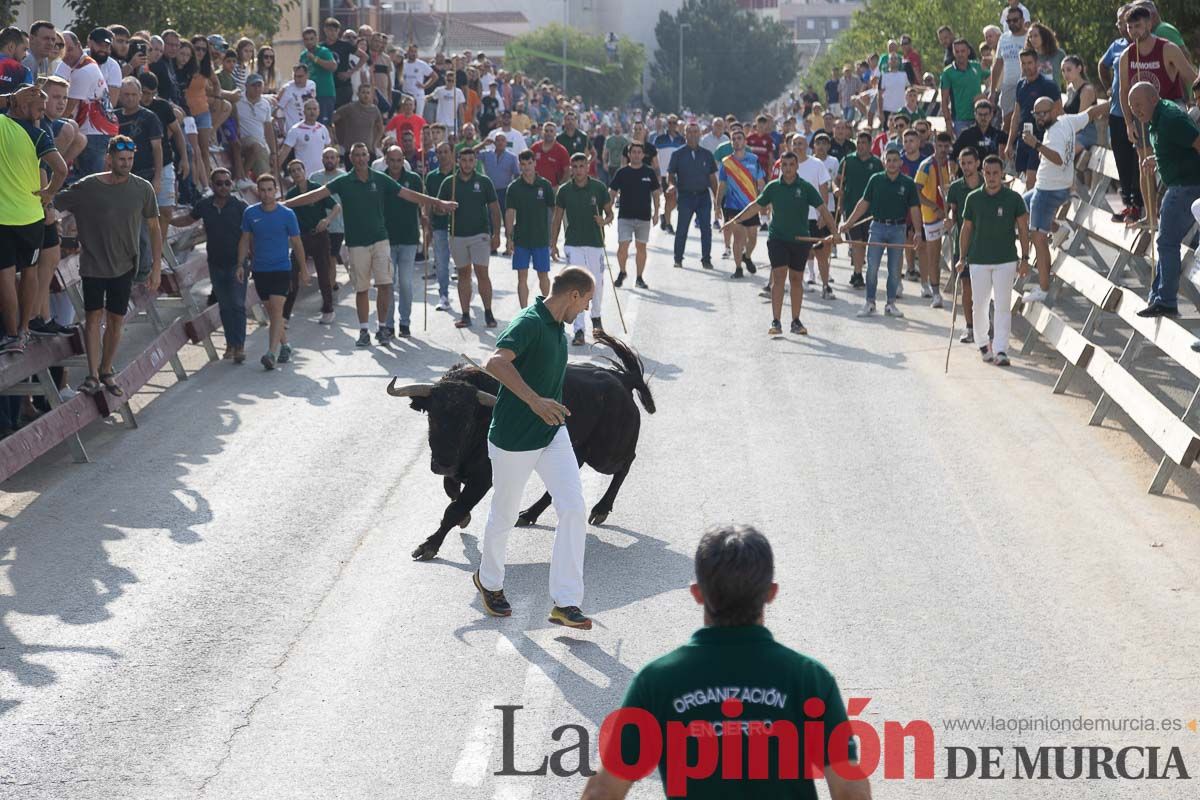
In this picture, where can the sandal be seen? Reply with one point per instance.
(110, 383)
(90, 386)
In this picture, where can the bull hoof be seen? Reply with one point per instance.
(465, 521)
(425, 552)
(524, 521)
(597, 517)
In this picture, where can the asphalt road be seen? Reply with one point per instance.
(223, 604)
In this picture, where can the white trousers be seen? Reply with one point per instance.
(988, 281)
(556, 466)
(592, 259)
(419, 107)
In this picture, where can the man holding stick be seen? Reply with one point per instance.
(478, 213)
(956, 198)
(789, 198)
(527, 227)
(585, 204)
(857, 168)
(994, 217)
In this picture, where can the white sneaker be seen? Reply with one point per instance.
(891, 311)
(900, 288)
(810, 275)
(867, 310)
(1035, 295)
(926, 292)
(326, 318)
(937, 301)
(443, 304)
(727, 253)
(986, 353)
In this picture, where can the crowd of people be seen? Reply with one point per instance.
(364, 156)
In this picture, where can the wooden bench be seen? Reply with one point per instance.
(17, 377)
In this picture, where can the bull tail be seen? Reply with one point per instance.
(630, 369)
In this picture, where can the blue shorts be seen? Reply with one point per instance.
(203, 121)
(1043, 204)
(540, 256)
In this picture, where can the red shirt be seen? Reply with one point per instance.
(551, 162)
(401, 123)
(763, 146)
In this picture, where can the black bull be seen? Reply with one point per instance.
(603, 427)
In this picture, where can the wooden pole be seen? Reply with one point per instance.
(953, 322)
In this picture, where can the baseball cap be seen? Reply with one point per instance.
(217, 42)
(254, 77)
(101, 35)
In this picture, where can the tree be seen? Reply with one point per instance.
(210, 16)
(538, 54)
(733, 61)
(8, 11)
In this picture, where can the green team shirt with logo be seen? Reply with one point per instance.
(891, 199)
(539, 343)
(362, 205)
(580, 205)
(993, 219)
(744, 663)
(575, 143)
(433, 184)
(855, 174)
(956, 197)
(530, 202)
(789, 204)
(474, 197)
(402, 217)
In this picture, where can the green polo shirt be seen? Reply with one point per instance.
(540, 344)
(575, 143)
(308, 216)
(1173, 137)
(460, 146)
(956, 197)
(891, 200)
(689, 684)
(789, 204)
(964, 86)
(362, 206)
(855, 174)
(322, 77)
(723, 149)
(530, 202)
(433, 184)
(580, 205)
(403, 218)
(993, 219)
(474, 196)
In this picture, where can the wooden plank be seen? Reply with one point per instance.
(1098, 222)
(65, 274)
(185, 276)
(1177, 441)
(145, 366)
(46, 432)
(1055, 330)
(203, 324)
(39, 354)
(1163, 332)
(1089, 283)
(1101, 160)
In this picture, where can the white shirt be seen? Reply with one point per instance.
(413, 76)
(832, 165)
(1009, 49)
(711, 142)
(1060, 137)
(516, 139)
(485, 82)
(290, 100)
(111, 71)
(893, 85)
(380, 165)
(87, 85)
(307, 143)
(447, 105)
(816, 173)
(252, 117)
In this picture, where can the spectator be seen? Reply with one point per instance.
(961, 84)
(1118, 136)
(910, 55)
(307, 140)
(172, 144)
(342, 49)
(100, 49)
(893, 86)
(1032, 87)
(1043, 40)
(551, 157)
(264, 67)
(501, 167)
(359, 122)
(849, 86)
(331, 168)
(983, 137)
(256, 133)
(946, 39)
(450, 101)
(13, 72)
(88, 103)
(489, 109)
(268, 228)
(109, 209)
(42, 51)
(292, 96)
(1081, 94)
(1006, 69)
(164, 68)
(221, 214)
(417, 78)
(408, 119)
(321, 65)
(516, 138)
(244, 48)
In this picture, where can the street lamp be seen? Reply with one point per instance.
(682, 25)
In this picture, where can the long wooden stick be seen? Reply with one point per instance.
(953, 322)
(826, 239)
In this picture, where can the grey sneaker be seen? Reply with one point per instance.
(891, 310)
(868, 309)
(364, 338)
(285, 353)
(268, 361)
(1001, 359)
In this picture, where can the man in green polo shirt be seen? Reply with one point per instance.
(789, 198)
(856, 169)
(526, 222)
(961, 83)
(362, 193)
(1176, 142)
(585, 204)
(993, 218)
(732, 669)
(403, 219)
(528, 434)
(321, 64)
(474, 232)
(894, 202)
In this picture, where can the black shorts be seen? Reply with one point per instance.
(50, 237)
(793, 255)
(859, 232)
(275, 282)
(817, 231)
(110, 294)
(750, 222)
(666, 183)
(19, 244)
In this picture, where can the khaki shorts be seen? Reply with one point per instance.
(471, 250)
(373, 262)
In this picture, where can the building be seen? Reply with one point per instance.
(454, 32)
(814, 23)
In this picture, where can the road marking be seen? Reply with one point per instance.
(472, 764)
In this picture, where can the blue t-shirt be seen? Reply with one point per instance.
(13, 75)
(1029, 92)
(271, 231)
(1112, 57)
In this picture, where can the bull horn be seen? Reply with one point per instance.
(411, 390)
(485, 399)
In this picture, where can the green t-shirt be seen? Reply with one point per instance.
(956, 197)
(322, 77)
(433, 184)
(362, 206)
(580, 205)
(478, 161)
(540, 344)
(855, 174)
(403, 218)
(773, 682)
(993, 219)
(613, 147)
(474, 197)
(723, 149)
(789, 204)
(576, 143)
(530, 202)
(308, 216)
(964, 86)
(1173, 136)
(1169, 32)
(891, 200)
(225, 79)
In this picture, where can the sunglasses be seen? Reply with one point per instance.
(128, 146)
(268, 55)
